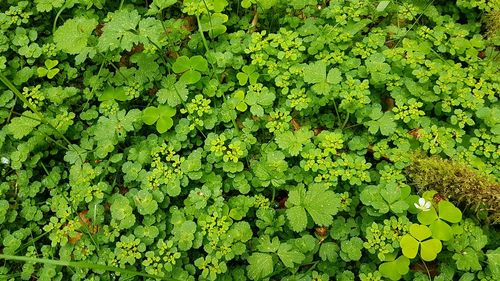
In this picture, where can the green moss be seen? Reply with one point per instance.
(492, 21)
(460, 183)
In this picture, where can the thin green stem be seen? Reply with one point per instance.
(345, 121)
(54, 24)
(79, 264)
(200, 29)
(336, 110)
(209, 19)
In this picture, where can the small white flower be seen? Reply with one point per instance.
(4, 160)
(423, 205)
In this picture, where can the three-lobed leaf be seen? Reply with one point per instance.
(161, 115)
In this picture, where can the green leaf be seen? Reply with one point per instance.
(441, 230)
(162, 115)
(190, 77)
(429, 249)
(289, 256)
(164, 123)
(260, 266)
(334, 76)
(321, 204)
(409, 245)
(391, 192)
(242, 78)
(111, 93)
(382, 5)
(52, 72)
(266, 245)
(420, 232)
(198, 63)
(214, 24)
(467, 260)
(42, 71)
(394, 270)
(293, 142)
(297, 217)
(49, 64)
(121, 31)
(145, 203)
(159, 5)
(427, 217)
(448, 212)
(20, 127)
(73, 35)
(385, 124)
(351, 249)
(150, 115)
(173, 93)
(181, 64)
(315, 72)
(494, 262)
(329, 251)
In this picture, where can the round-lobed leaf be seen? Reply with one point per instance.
(420, 232)
(164, 123)
(409, 245)
(427, 217)
(441, 230)
(190, 77)
(448, 212)
(150, 115)
(181, 64)
(429, 249)
(198, 63)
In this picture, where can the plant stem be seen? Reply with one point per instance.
(345, 121)
(200, 30)
(79, 264)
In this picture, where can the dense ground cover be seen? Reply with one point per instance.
(252, 139)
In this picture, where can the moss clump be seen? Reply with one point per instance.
(492, 21)
(460, 183)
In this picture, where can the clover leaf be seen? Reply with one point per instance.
(446, 211)
(416, 239)
(214, 24)
(238, 101)
(161, 115)
(383, 121)
(49, 70)
(190, 68)
(257, 100)
(395, 269)
(248, 74)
